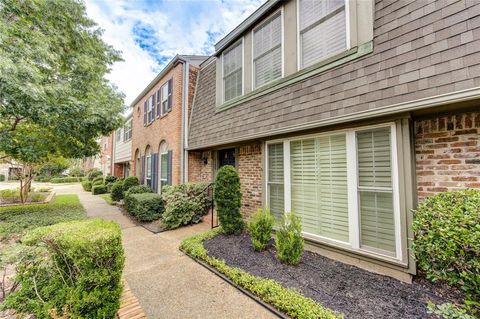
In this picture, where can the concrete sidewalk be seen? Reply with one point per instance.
(168, 283)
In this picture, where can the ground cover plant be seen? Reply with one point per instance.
(286, 300)
(12, 196)
(228, 200)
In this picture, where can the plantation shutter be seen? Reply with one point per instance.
(377, 226)
(142, 172)
(276, 180)
(145, 113)
(322, 29)
(155, 172)
(319, 185)
(169, 168)
(170, 84)
(267, 51)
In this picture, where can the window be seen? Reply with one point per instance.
(267, 51)
(164, 165)
(342, 185)
(148, 168)
(127, 131)
(118, 135)
(166, 97)
(232, 72)
(150, 109)
(323, 32)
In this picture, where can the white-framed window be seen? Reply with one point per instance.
(343, 185)
(127, 131)
(150, 109)
(118, 135)
(267, 50)
(148, 167)
(322, 26)
(233, 71)
(164, 169)
(165, 97)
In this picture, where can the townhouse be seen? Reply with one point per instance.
(347, 112)
(122, 149)
(160, 117)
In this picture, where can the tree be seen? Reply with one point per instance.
(54, 98)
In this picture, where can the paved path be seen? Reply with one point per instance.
(167, 283)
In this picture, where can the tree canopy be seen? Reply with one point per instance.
(54, 97)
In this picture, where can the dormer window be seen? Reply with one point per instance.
(232, 72)
(323, 30)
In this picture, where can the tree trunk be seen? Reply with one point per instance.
(25, 177)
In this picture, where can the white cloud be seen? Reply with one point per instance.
(166, 28)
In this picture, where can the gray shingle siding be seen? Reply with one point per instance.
(420, 49)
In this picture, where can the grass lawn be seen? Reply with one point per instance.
(107, 198)
(15, 220)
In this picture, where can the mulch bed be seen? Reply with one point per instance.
(347, 289)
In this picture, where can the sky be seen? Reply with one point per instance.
(149, 33)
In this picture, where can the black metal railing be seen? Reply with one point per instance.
(211, 206)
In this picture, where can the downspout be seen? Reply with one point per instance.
(184, 133)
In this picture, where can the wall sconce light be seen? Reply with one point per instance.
(205, 156)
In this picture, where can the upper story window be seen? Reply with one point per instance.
(118, 135)
(232, 72)
(151, 109)
(166, 97)
(267, 51)
(323, 32)
(127, 131)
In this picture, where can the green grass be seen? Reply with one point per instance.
(15, 220)
(107, 198)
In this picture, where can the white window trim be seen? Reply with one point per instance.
(160, 179)
(242, 40)
(128, 132)
(282, 46)
(162, 111)
(347, 35)
(352, 183)
(150, 108)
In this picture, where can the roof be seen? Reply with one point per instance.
(195, 60)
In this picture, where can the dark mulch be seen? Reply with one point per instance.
(347, 289)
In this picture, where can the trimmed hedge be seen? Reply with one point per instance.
(98, 179)
(145, 207)
(110, 179)
(185, 204)
(139, 189)
(93, 174)
(87, 186)
(228, 200)
(2, 178)
(116, 192)
(130, 182)
(447, 239)
(78, 264)
(99, 189)
(59, 180)
(286, 300)
(42, 179)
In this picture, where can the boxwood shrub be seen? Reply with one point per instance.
(130, 182)
(78, 264)
(98, 179)
(145, 207)
(116, 192)
(42, 179)
(87, 186)
(228, 199)
(139, 189)
(58, 180)
(288, 239)
(99, 189)
(110, 179)
(184, 204)
(447, 239)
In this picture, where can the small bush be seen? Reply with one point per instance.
(87, 186)
(139, 189)
(288, 240)
(44, 189)
(110, 179)
(130, 182)
(97, 182)
(2, 178)
(78, 264)
(116, 192)
(260, 227)
(58, 180)
(184, 204)
(99, 189)
(145, 207)
(42, 179)
(228, 200)
(98, 179)
(447, 239)
(92, 174)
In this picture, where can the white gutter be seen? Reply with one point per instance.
(184, 132)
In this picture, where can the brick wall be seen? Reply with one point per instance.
(198, 171)
(250, 170)
(447, 153)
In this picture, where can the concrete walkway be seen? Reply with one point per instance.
(168, 283)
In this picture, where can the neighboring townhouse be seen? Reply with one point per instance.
(346, 112)
(103, 160)
(122, 149)
(160, 118)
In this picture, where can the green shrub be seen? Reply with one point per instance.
(447, 239)
(42, 179)
(110, 179)
(449, 311)
(130, 182)
(139, 189)
(286, 300)
(58, 180)
(37, 197)
(260, 228)
(77, 172)
(99, 189)
(2, 178)
(145, 207)
(78, 264)
(288, 240)
(9, 195)
(92, 174)
(228, 200)
(44, 189)
(97, 182)
(87, 186)
(184, 204)
(98, 179)
(116, 192)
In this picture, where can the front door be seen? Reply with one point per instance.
(226, 157)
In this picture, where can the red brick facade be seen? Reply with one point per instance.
(250, 169)
(200, 167)
(447, 153)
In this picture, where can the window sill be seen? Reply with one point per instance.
(325, 65)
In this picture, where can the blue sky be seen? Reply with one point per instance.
(150, 32)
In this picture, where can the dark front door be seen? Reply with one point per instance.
(226, 157)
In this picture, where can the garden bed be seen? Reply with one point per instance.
(347, 289)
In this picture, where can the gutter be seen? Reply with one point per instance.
(184, 132)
